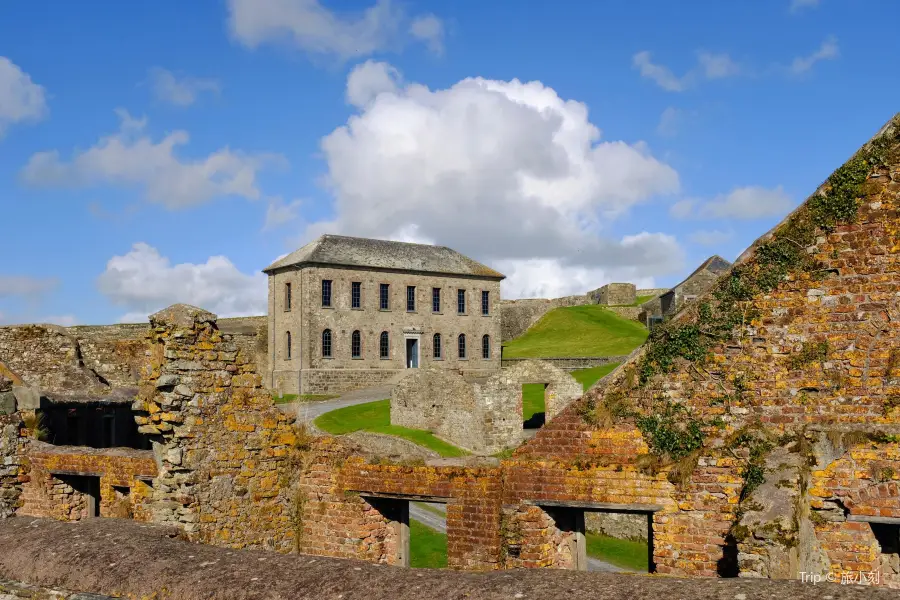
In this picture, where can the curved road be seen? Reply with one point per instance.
(307, 411)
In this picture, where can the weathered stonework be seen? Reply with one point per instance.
(569, 363)
(10, 464)
(613, 294)
(692, 287)
(620, 525)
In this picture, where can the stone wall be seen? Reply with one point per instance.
(614, 294)
(123, 476)
(10, 464)
(481, 417)
(620, 525)
(516, 316)
(114, 352)
(569, 363)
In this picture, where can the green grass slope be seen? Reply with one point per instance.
(577, 331)
(376, 417)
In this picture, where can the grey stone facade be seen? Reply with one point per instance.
(695, 285)
(358, 269)
(483, 416)
(614, 294)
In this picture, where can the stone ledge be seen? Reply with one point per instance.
(134, 560)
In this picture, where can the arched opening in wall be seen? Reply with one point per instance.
(618, 539)
(534, 405)
(416, 530)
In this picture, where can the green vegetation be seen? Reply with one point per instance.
(590, 376)
(532, 400)
(376, 417)
(811, 352)
(577, 331)
(641, 299)
(427, 547)
(289, 398)
(626, 554)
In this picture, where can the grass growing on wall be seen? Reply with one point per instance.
(427, 547)
(626, 554)
(376, 417)
(577, 331)
(590, 376)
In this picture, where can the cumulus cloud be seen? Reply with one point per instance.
(500, 170)
(20, 98)
(142, 281)
(131, 157)
(317, 30)
(709, 66)
(750, 202)
(828, 50)
(712, 237)
(799, 5)
(179, 90)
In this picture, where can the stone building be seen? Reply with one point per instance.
(347, 313)
(694, 285)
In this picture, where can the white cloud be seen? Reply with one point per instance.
(828, 50)
(799, 5)
(369, 79)
(709, 66)
(142, 282)
(130, 157)
(429, 29)
(670, 121)
(20, 285)
(713, 237)
(180, 91)
(280, 213)
(319, 31)
(750, 202)
(20, 98)
(499, 170)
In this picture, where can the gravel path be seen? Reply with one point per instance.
(307, 411)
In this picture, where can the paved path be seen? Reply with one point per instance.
(428, 518)
(307, 411)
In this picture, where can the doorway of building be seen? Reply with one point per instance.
(412, 353)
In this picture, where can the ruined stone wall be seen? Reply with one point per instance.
(222, 448)
(47, 357)
(481, 417)
(10, 464)
(569, 363)
(516, 316)
(116, 353)
(50, 490)
(620, 525)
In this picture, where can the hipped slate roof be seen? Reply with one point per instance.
(383, 254)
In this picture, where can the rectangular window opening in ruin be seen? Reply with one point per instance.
(534, 405)
(92, 425)
(86, 491)
(888, 536)
(603, 540)
(427, 539)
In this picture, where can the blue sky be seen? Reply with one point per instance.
(164, 152)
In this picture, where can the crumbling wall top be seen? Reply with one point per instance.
(182, 316)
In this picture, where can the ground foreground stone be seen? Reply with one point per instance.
(127, 559)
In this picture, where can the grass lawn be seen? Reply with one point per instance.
(641, 299)
(532, 400)
(288, 398)
(427, 547)
(622, 553)
(588, 377)
(578, 331)
(376, 417)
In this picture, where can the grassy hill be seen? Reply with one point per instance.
(577, 331)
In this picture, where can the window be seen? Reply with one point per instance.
(326, 343)
(461, 301)
(385, 345)
(326, 292)
(435, 299)
(356, 345)
(411, 298)
(436, 345)
(485, 302)
(287, 297)
(486, 347)
(356, 294)
(462, 345)
(287, 345)
(384, 296)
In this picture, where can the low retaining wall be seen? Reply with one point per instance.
(568, 363)
(340, 381)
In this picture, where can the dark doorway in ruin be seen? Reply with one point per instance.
(396, 513)
(888, 536)
(88, 487)
(94, 425)
(534, 405)
(417, 530)
(605, 540)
